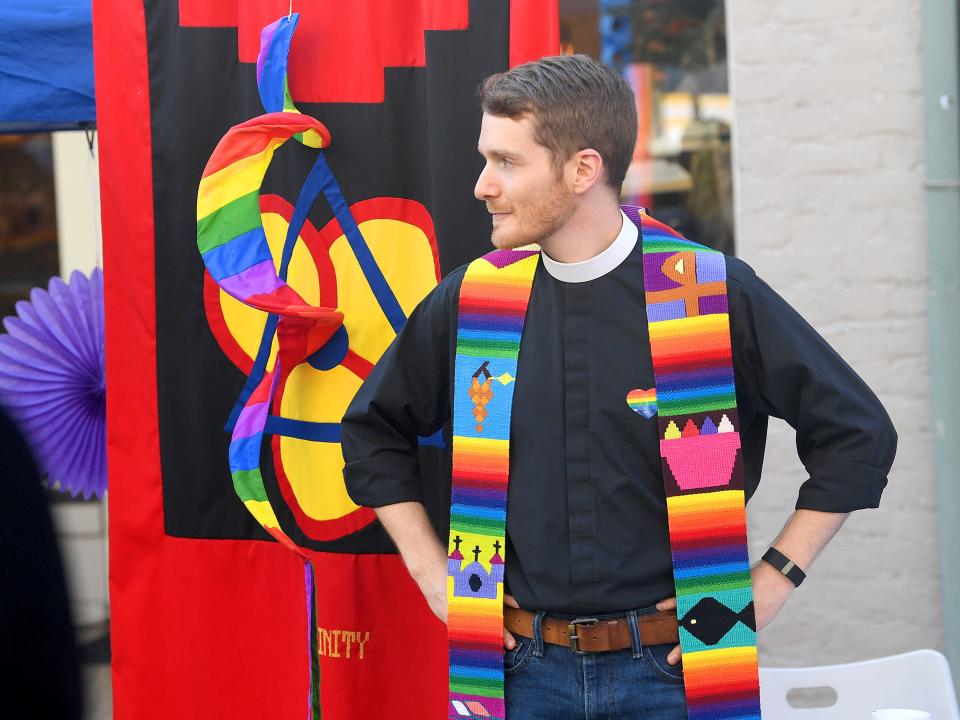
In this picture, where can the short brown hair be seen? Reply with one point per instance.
(576, 103)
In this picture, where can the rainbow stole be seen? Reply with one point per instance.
(688, 325)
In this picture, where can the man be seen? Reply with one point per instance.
(587, 534)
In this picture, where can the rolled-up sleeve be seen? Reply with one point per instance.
(844, 436)
(406, 395)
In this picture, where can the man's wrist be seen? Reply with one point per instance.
(773, 578)
(784, 566)
(423, 567)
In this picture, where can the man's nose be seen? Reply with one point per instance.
(485, 187)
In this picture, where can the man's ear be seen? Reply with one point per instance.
(588, 166)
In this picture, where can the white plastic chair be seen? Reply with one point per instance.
(919, 680)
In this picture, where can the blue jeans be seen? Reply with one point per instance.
(550, 682)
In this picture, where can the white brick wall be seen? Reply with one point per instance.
(828, 155)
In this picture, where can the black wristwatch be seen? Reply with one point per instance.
(785, 565)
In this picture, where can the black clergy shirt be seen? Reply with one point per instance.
(586, 511)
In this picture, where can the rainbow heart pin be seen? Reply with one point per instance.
(643, 402)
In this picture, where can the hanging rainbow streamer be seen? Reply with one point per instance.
(272, 81)
(688, 325)
(234, 248)
(230, 234)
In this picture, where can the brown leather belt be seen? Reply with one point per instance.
(594, 636)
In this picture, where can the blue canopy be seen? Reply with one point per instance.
(46, 65)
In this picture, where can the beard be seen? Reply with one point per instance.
(536, 221)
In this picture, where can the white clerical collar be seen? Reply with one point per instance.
(598, 265)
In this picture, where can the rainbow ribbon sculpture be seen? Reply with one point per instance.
(299, 333)
(688, 325)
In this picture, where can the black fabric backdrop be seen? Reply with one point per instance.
(418, 144)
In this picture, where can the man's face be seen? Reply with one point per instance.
(527, 199)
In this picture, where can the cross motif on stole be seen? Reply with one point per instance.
(681, 267)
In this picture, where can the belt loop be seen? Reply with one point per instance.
(634, 634)
(538, 634)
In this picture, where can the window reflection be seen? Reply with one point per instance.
(28, 218)
(673, 53)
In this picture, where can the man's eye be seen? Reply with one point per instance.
(506, 163)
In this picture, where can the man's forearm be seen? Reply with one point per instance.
(424, 556)
(806, 534)
(409, 527)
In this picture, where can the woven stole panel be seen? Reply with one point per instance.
(689, 327)
(493, 304)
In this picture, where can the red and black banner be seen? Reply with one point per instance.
(208, 616)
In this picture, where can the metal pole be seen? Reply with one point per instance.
(942, 125)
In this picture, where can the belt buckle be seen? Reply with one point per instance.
(575, 638)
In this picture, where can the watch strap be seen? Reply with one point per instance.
(785, 565)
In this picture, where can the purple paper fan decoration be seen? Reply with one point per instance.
(53, 380)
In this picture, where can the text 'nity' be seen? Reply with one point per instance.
(342, 643)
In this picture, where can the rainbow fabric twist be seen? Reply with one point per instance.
(688, 326)
(272, 82)
(234, 247)
(233, 244)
